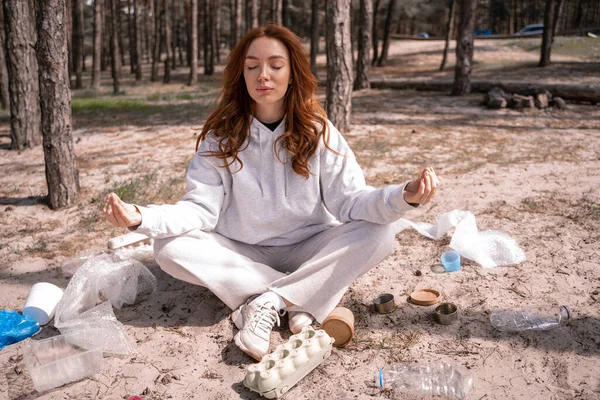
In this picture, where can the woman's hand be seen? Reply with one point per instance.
(119, 213)
(422, 189)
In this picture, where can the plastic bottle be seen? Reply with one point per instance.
(530, 319)
(433, 378)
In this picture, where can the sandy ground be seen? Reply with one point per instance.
(531, 174)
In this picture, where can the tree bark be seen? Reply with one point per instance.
(98, 4)
(120, 31)
(339, 64)
(69, 37)
(387, 31)
(168, 41)
(547, 37)
(209, 52)
(365, 28)
(78, 41)
(114, 46)
(375, 34)
(131, 36)
(285, 13)
(464, 48)
(449, 34)
(157, 34)
(194, 43)
(62, 177)
(276, 11)
(254, 13)
(557, 14)
(216, 32)
(23, 84)
(314, 35)
(105, 55)
(4, 98)
(137, 37)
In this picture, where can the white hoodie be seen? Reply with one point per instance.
(266, 202)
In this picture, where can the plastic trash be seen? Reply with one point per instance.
(439, 379)
(62, 359)
(103, 277)
(488, 248)
(15, 327)
(533, 319)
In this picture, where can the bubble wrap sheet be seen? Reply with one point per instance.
(107, 277)
(488, 248)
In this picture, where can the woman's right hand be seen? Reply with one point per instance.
(119, 213)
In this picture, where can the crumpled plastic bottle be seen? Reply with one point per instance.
(439, 379)
(15, 327)
(530, 319)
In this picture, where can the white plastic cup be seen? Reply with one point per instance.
(42, 301)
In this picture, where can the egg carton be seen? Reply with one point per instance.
(280, 370)
(129, 240)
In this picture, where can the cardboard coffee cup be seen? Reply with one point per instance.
(339, 325)
(42, 301)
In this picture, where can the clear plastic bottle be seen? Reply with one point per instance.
(530, 319)
(433, 378)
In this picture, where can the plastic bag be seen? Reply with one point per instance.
(488, 248)
(110, 278)
(15, 327)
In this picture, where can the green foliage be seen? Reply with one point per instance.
(98, 104)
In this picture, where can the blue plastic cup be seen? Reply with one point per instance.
(451, 260)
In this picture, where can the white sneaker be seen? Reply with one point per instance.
(298, 320)
(255, 321)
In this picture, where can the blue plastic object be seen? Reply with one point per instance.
(15, 327)
(451, 260)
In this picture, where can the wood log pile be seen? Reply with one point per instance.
(497, 98)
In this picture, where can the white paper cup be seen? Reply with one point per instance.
(41, 301)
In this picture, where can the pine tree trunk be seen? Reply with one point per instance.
(69, 38)
(216, 17)
(387, 31)
(98, 4)
(105, 58)
(78, 41)
(194, 42)
(261, 13)
(120, 31)
(285, 13)
(339, 64)
(156, 49)
(62, 177)
(208, 70)
(375, 34)
(114, 46)
(449, 33)
(255, 13)
(4, 98)
(168, 41)
(137, 37)
(23, 84)
(464, 48)
(559, 8)
(131, 36)
(314, 35)
(238, 20)
(547, 37)
(365, 28)
(276, 11)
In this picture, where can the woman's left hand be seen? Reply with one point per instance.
(422, 189)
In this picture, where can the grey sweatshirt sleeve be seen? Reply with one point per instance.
(199, 207)
(345, 192)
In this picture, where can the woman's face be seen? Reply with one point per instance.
(267, 74)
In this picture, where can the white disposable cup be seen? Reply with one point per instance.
(42, 301)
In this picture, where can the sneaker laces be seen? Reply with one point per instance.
(264, 318)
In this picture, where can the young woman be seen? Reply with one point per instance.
(277, 215)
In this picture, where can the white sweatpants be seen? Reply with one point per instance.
(313, 274)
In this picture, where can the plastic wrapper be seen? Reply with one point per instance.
(115, 282)
(487, 248)
(15, 327)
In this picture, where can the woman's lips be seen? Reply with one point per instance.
(263, 90)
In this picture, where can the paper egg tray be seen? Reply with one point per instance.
(280, 370)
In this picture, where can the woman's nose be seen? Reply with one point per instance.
(263, 74)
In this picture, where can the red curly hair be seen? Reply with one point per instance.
(305, 122)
